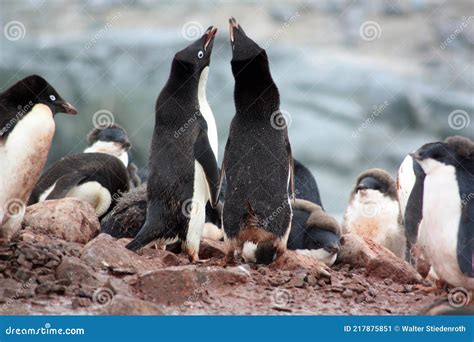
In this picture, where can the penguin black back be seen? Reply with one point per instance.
(305, 184)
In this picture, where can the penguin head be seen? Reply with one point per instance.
(243, 48)
(375, 180)
(317, 238)
(197, 56)
(112, 140)
(36, 89)
(434, 155)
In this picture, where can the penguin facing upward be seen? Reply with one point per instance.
(183, 164)
(314, 233)
(113, 139)
(27, 127)
(446, 233)
(257, 162)
(374, 212)
(97, 178)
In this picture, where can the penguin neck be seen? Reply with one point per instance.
(255, 92)
(183, 81)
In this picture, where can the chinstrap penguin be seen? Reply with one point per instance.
(446, 232)
(257, 166)
(113, 139)
(183, 164)
(96, 178)
(314, 232)
(27, 127)
(374, 212)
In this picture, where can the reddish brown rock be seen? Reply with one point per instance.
(292, 261)
(376, 259)
(68, 219)
(75, 270)
(178, 285)
(211, 249)
(124, 305)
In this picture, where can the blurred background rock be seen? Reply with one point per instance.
(362, 82)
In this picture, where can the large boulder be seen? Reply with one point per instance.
(377, 260)
(69, 219)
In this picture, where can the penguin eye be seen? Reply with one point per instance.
(52, 97)
(200, 54)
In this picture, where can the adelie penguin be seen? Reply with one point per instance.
(258, 165)
(446, 232)
(97, 178)
(27, 127)
(113, 139)
(374, 212)
(183, 164)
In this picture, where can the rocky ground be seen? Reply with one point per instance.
(58, 264)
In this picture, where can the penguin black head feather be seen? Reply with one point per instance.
(112, 133)
(376, 179)
(197, 56)
(36, 89)
(243, 48)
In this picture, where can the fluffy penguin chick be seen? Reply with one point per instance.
(96, 178)
(446, 233)
(183, 164)
(257, 165)
(373, 211)
(113, 139)
(27, 127)
(314, 232)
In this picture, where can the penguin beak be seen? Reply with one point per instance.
(210, 34)
(68, 108)
(233, 25)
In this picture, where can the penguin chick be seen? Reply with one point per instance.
(374, 212)
(446, 233)
(27, 127)
(96, 178)
(314, 232)
(305, 184)
(113, 139)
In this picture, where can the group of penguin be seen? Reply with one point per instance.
(260, 201)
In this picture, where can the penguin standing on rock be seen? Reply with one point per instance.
(446, 233)
(183, 164)
(113, 140)
(27, 127)
(257, 166)
(97, 178)
(374, 212)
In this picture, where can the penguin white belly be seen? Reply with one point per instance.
(438, 236)
(206, 111)
(198, 210)
(109, 147)
(405, 182)
(211, 231)
(23, 156)
(93, 193)
(375, 216)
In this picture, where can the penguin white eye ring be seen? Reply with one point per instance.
(52, 97)
(200, 54)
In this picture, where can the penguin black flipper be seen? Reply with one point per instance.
(414, 208)
(65, 184)
(291, 168)
(222, 173)
(206, 158)
(465, 245)
(152, 229)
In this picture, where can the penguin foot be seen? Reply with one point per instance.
(438, 285)
(193, 256)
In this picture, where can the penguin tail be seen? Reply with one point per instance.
(263, 252)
